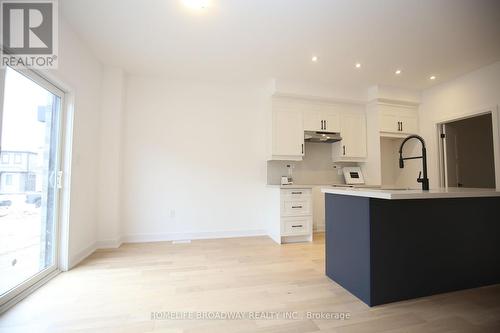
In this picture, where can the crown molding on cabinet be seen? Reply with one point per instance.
(387, 101)
(320, 98)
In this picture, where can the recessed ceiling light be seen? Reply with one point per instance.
(314, 59)
(196, 4)
(398, 72)
(358, 65)
(432, 77)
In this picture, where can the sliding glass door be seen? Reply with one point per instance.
(29, 180)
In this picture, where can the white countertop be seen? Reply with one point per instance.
(295, 186)
(396, 194)
(298, 186)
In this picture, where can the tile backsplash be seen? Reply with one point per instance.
(316, 168)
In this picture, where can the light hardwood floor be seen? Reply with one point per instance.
(116, 291)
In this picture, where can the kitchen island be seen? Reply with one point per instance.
(391, 245)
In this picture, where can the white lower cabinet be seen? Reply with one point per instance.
(294, 226)
(296, 216)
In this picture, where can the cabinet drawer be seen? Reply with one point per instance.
(297, 193)
(295, 207)
(296, 226)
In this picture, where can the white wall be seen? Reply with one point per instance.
(110, 162)
(197, 149)
(478, 90)
(392, 175)
(80, 73)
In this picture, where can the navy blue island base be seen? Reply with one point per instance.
(384, 251)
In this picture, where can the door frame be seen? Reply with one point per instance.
(495, 120)
(63, 159)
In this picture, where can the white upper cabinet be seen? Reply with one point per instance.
(291, 117)
(313, 121)
(409, 123)
(331, 121)
(397, 120)
(352, 147)
(321, 118)
(287, 133)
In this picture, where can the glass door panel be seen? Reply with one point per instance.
(29, 164)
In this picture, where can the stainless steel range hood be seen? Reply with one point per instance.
(323, 137)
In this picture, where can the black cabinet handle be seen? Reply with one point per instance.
(296, 192)
(343, 147)
(302, 148)
(401, 126)
(325, 124)
(322, 125)
(297, 226)
(296, 206)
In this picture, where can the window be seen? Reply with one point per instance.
(30, 226)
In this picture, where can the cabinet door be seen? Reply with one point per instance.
(288, 133)
(312, 121)
(331, 121)
(389, 123)
(353, 132)
(398, 119)
(409, 124)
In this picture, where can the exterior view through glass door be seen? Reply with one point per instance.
(29, 173)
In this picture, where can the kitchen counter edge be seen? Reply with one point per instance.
(414, 194)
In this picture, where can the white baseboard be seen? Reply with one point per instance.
(159, 237)
(76, 259)
(275, 237)
(109, 243)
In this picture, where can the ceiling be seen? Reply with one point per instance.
(242, 39)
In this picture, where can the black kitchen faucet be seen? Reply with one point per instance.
(424, 180)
